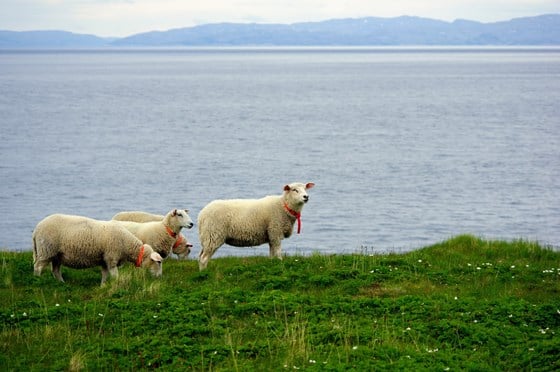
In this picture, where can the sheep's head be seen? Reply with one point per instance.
(296, 195)
(182, 247)
(182, 218)
(154, 263)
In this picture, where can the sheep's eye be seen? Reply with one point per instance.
(296, 191)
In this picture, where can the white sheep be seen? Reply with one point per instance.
(137, 216)
(181, 247)
(161, 235)
(80, 242)
(251, 222)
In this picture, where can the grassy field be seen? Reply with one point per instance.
(463, 304)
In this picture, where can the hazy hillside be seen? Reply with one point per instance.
(405, 30)
(541, 30)
(49, 39)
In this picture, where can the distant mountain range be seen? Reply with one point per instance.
(371, 31)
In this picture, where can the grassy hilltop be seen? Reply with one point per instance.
(463, 304)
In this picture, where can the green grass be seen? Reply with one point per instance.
(464, 304)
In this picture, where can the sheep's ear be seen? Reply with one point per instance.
(156, 257)
(309, 185)
(287, 188)
(175, 212)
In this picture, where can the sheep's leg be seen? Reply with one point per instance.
(113, 272)
(203, 259)
(56, 269)
(39, 266)
(205, 255)
(275, 249)
(104, 274)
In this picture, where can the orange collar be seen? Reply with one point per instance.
(170, 232)
(140, 257)
(178, 241)
(297, 215)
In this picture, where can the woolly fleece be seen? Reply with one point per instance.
(81, 242)
(250, 222)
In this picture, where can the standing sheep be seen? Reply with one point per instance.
(161, 235)
(251, 222)
(181, 247)
(81, 242)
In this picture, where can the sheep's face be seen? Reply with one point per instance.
(154, 263)
(182, 248)
(183, 218)
(296, 193)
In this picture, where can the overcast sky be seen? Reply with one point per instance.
(127, 17)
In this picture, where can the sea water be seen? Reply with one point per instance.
(406, 146)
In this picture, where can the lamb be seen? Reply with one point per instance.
(81, 242)
(251, 222)
(181, 247)
(161, 235)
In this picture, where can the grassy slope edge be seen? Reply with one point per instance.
(466, 303)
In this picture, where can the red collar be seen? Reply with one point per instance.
(178, 241)
(170, 232)
(297, 215)
(140, 257)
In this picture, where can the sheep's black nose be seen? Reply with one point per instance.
(190, 225)
(306, 197)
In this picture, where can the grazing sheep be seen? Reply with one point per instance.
(251, 222)
(80, 242)
(161, 235)
(181, 247)
(137, 216)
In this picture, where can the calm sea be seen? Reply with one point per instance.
(406, 146)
